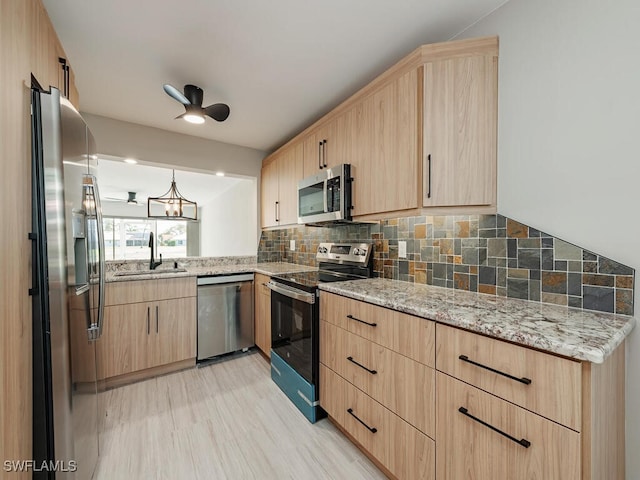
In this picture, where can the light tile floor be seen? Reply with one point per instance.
(223, 421)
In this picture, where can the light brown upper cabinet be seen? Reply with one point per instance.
(279, 186)
(460, 114)
(384, 161)
(420, 137)
(45, 54)
(327, 146)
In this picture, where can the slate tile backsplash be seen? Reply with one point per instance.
(490, 254)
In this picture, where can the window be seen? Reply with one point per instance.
(128, 238)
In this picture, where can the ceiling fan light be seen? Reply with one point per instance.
(193, 118)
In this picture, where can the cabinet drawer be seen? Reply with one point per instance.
(122, 293)
(542, 383)
(466, 445)
(403, 450)
(401, 384)
(180, 287)
(411, 336)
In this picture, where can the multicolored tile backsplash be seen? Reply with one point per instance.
(489, 254)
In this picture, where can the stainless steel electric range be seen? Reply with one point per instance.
(295, 320)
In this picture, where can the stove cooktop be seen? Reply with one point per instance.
(309, 281)
(337, 262)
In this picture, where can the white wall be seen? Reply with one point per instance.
(124, 139)
(569, 137)
(228, 222)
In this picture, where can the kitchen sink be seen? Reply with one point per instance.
(149, 272)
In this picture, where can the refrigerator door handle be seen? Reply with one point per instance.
(94, 210)
(101, 260)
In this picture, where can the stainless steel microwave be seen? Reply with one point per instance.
(326, 196)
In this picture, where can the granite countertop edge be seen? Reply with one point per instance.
(564, 331)
(271, 269)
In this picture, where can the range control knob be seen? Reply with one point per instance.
(322, 249)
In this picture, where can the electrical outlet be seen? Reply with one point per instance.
(292, 245)
(402, 249)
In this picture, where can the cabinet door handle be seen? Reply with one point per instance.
(522, 441)
(526, 381)
(148, 320)
(157, 320)
(351, 317)
(324, 153)
(371, 429)
(429, 173)
(320, 155)
(277, 211)
(372, 372)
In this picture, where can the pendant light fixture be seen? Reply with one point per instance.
(172, 205)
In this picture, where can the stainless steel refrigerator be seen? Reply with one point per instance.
(68, 290)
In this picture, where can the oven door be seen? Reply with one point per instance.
(295, 329)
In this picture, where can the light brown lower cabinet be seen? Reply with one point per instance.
(401, 384)
(481, 436)
(138, 336)
(125, 345)
(262, 325)
(403, 450)
(491, 409)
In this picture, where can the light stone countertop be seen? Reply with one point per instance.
(273, 268)
(571, 332)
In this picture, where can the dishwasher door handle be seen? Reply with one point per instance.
(292, 292)
(218, 279)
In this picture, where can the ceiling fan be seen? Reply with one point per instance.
(192, 101)
(130, 200)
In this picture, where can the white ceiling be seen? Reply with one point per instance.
(279, 64)
(117, 178)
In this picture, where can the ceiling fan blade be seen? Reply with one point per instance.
(218, 111)
(194, 94)
(176, 94)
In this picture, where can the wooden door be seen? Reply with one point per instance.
(289, 174)
(312, 152)
(174, 329)
(467, 448)
(386, 128)
(125, 341)
(329, 145)
(460, 112)
(269, 193)
(262, 325)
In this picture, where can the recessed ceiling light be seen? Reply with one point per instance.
(220, 174)
(131, 161)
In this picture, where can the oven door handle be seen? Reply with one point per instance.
(291, 292)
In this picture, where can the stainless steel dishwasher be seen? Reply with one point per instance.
(225, 314)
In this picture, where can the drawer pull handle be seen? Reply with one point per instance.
(371, 429)
(351, 317)
(526, 381)
(522, 441)
(372, 372)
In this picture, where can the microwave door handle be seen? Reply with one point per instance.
(324, 189)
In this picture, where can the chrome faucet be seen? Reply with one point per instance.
(152, 263)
